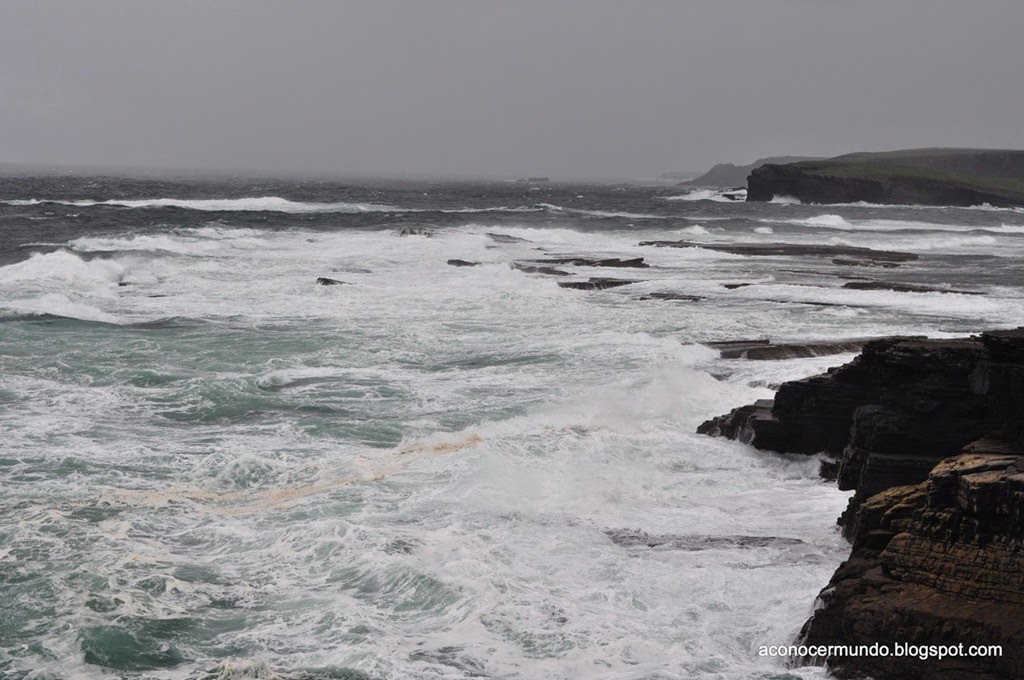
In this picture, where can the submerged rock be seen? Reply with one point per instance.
(639, 539)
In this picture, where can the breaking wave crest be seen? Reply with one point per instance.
(249, 204)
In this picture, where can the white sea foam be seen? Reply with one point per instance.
(839, 223)
(58, 304)
(986, 311)
(1004, 229)
(63, 267)
(832, 221)
(200, 241)
(600, 213)
(693, 229)
(417, 470)
(255, 203)
(923, 243)
(704, 195)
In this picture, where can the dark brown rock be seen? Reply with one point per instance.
(416, 231)
(904, 287)
(854, 262)
(937, 563)
(531, 269)
(505, 238)
(595, 283)
(766, 350)
(681, 297)
(930, 434)
(635, 262)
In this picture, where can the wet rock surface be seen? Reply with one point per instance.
(904, 287)
(595, 283)
(930, 435)
(680, 297)
(639, 539)
(634, 262)
(536, 269)
(417, 231)
(851, 253)
(936, 563)
(506, 238)
(766, 350)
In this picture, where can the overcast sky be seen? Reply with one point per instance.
(565, 88)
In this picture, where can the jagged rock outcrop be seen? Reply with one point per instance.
(937, 563)
(891, 414)
(930, 435)
(960, 177)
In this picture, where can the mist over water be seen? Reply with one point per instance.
(213, 467)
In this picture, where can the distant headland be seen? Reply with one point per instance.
(729, 175)
(955, 177)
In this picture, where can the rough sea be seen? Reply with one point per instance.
(212, 467)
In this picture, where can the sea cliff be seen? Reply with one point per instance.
(929, 434)
(730, 175)
(957, 177)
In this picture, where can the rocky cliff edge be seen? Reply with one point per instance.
(929, 434)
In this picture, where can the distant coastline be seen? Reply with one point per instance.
(954, 177)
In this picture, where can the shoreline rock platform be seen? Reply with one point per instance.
(930, 436)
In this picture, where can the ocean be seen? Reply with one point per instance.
(213, 467)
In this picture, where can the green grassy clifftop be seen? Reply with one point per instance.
(961, 177)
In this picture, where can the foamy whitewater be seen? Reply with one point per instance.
(213, 467)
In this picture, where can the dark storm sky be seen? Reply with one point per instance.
(566, 88)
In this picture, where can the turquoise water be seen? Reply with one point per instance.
(213, 468)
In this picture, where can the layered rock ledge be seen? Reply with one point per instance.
(929, 434)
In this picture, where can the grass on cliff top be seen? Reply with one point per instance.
(911, 154)
(885, 171)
